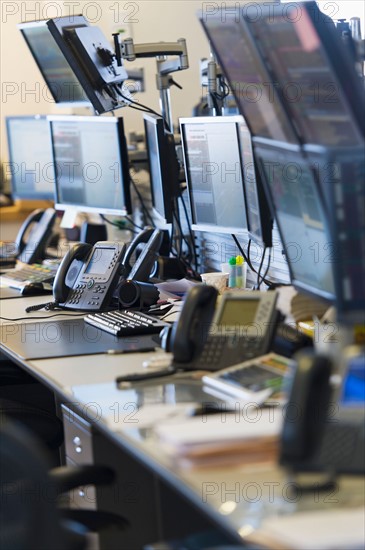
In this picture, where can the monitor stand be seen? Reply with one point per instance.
(89, 232)
(93, 232)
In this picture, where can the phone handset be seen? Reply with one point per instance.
(186, 337)
(142, 269)
(133, 247)
(38, 225)
(88, 276)
(307, 407)
(68, 271)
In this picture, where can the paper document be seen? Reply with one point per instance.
(319, 530)
(222, 427)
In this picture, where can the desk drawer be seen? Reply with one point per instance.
(78, 437)
(82, 497)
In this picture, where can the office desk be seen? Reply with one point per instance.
(168, 500)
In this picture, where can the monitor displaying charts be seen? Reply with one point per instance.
(91, 164)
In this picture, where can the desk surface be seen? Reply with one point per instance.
(237, 498)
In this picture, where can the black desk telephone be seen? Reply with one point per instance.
(241, 328)
(32, 238)
(89, 275)
(321, 434)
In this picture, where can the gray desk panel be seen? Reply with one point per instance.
(66, 338)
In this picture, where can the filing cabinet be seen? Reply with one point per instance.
(79, 451)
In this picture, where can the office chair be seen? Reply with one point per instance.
(24, 400)
(29, 512)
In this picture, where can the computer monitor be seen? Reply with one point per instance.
(257, 98)
(163, 167)
(214, 172)
(302, 217)
(91, 164)
(323, 93)
(30, 157)
(341, 175)
(259, 216)
(58, 71)
(76, 61)
(292, 76)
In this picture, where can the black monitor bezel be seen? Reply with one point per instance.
(124, 169)
(16, 194)
(168, 186)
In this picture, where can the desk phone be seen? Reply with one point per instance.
(87, 276)
(32, 238)
(239, 328)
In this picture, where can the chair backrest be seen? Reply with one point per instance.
(28, 504)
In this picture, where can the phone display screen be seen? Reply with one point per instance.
(100, 261)
(238, 312)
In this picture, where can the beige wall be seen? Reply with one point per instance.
(23, 90)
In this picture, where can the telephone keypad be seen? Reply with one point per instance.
(217, 348)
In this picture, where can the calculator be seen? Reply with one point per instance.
(125, 322)
(263, 376)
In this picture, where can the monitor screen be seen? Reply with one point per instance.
(56, 70)
(301, 216)
(311, 65)
(163, 167)
(91, 164)
(214, 173)
(256, 96)
(30, 157)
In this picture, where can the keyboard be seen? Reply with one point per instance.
(263, 375)
(34, 273)
(125, 322)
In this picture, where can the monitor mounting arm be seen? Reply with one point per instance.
(210, 78)
(126, 49)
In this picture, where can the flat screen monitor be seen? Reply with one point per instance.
(292, 76)
(30, 157)
(257, 98)
(301, 215)
(77, 62)
(163, 167)
(309, 62)
(341, 174)
(60, 77)
(214, 173)
(91, 164)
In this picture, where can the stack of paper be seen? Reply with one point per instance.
(223, 438)
(337, 529)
